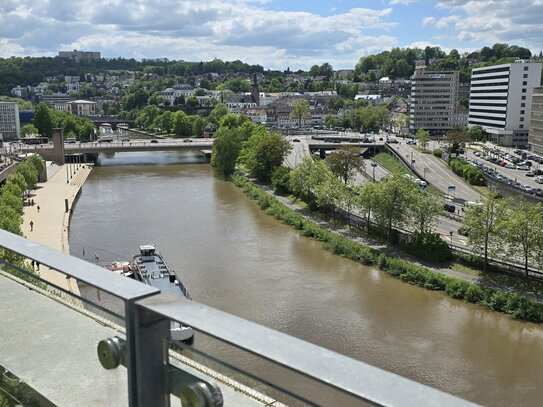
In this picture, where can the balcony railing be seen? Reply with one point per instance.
(144, 351)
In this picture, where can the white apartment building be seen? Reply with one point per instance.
(9, 120)
(82, 107)
(434, 101)
(535, 137)
(500, 100)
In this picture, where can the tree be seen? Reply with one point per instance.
(43, 120)
(28, 129)
(181, 124)
(301, 179)
(368, 199)
(424, 212)
(218, 111)
(264, 152)
(476, 133)
(37, 162)
(393, 203)
(300, 109)
(198, 126)
(192, 102)
(345, 162)
(485, 224)
(280, 179)
(423, 137)
(523, 230)
(226, 149)
(27, 170)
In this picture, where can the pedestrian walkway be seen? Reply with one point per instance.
(50, 223)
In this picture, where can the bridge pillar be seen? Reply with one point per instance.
(57, 155)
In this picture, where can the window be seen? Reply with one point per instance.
(523, 105)
(523, 98)
(521, 126)
(522, 119)
(522, 112)
(524, 83)
(523, 90)
(525, 75)
(525, 68)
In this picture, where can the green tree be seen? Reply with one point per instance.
(264, 152)
(524, 231)
(37, 162)
(301, 179)
(368, 200)
(198, 126)
(218, 111)
(29, 173)
(300, 109)
(43, 120)
(476, 133)
(345, 162)
(10, 218)
(192, 102)
(226, 149)
(485, 224)
(393, 203)
(423, 137)
(28, 129)
(280, 179)
(424, 212)
(181, 125)
(13, 201)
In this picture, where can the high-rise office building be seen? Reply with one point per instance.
(535, 136)
(9, 120)
(434, 101)
(500, 100)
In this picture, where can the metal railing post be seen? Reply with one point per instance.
(147, 357)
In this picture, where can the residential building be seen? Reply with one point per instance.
(82, 107)
(10, 126)
(500, 97)
(434, 101)
(79, 55)
(535, 137)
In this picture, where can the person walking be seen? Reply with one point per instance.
(38, 208)
(31, 226)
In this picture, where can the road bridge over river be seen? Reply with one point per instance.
(56, 151)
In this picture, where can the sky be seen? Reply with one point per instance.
(273, 33)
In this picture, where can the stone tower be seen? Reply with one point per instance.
(255, 91)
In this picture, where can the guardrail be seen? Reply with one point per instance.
(144, 351)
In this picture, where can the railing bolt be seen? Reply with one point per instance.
(111, 352)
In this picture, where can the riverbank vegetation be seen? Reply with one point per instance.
(12, 196)
(512, 304)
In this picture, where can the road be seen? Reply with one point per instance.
(437, 173)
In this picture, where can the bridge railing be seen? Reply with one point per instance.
(147, 317)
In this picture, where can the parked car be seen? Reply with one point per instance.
(154, 141)
(449, 207)
(187, 140)
(295, 140)
(530, 174)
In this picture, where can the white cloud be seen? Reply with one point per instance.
(489, 21)
(192, 30)
(428, 21)
(404, 2)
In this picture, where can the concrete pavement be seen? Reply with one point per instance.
(50, 223)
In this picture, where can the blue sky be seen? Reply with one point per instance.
(274, 33)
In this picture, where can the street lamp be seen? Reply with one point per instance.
(373, 164)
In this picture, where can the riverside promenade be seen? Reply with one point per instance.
(51, 222)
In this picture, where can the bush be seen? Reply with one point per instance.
(471, 174)
(437, 152)
(280, 180)
(427, 246)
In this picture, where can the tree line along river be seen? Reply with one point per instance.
(233, 256)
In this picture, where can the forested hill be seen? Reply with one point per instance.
(31, 71)
(400, 62)
(396, 63)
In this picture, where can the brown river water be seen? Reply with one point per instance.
(233, 256)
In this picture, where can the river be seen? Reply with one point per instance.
(233, 256)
